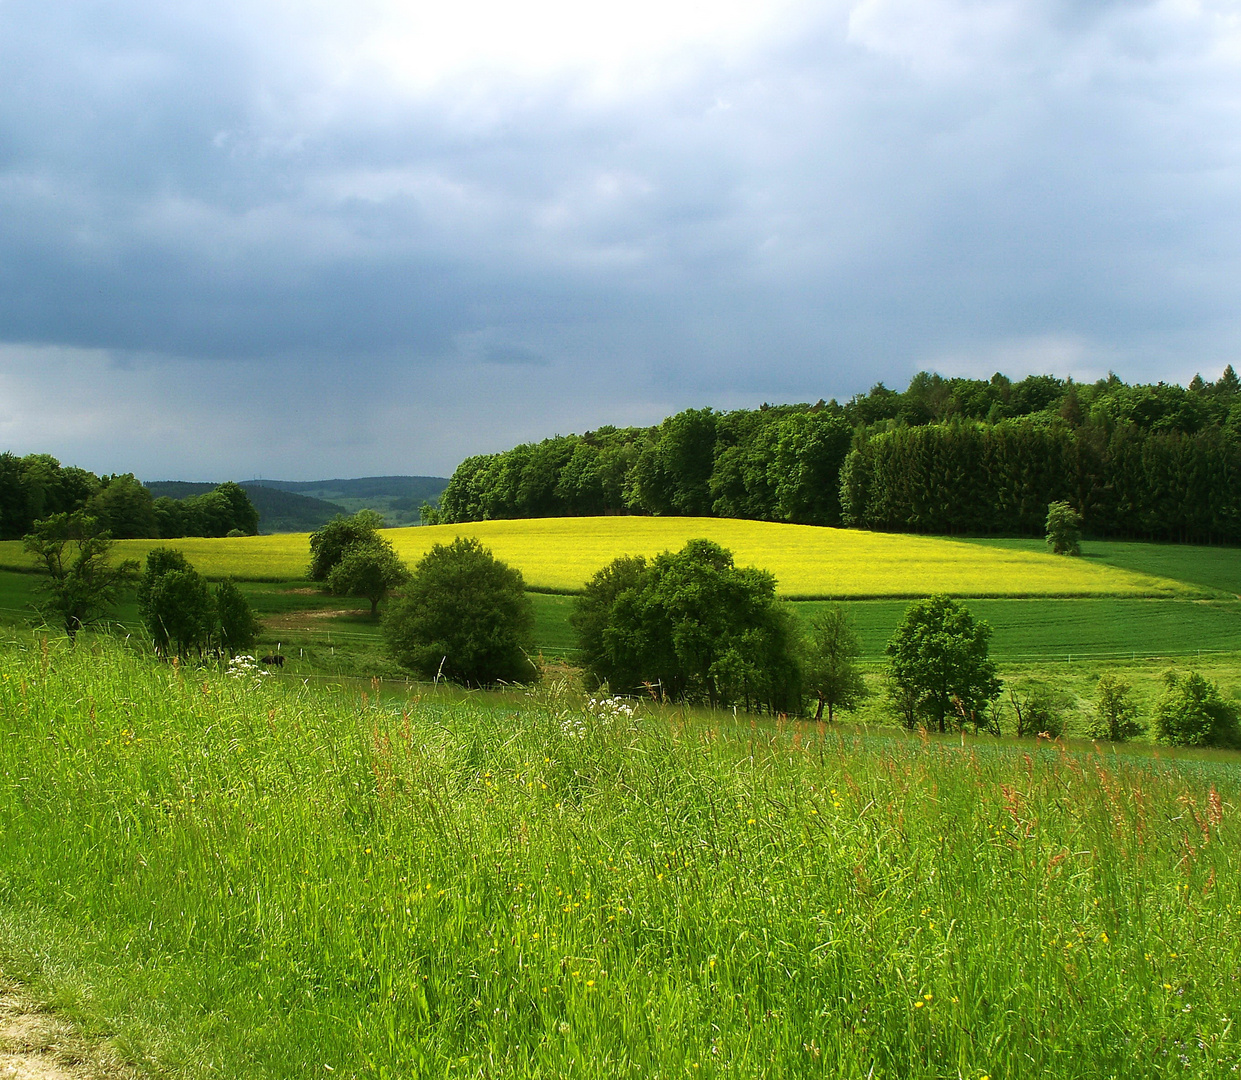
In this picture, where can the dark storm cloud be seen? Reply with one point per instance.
(220, 202)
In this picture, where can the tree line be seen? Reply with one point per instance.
(36, 487)
(945, 456)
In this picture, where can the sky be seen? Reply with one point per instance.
(308, 238)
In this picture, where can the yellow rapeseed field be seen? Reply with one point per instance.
(560, 554)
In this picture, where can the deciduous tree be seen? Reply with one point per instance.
(368, 569)
(464, 614)
(328, 544)
(832, 672)
(938, 658)
(83, 585)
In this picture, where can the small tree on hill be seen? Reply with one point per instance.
(181, 615)
(237, 628)
(831, 663)
(938, 663)
(82, 584)
(1064, 529)
(328, 544)
(464, 614)
(1115, 716)
(370, 570)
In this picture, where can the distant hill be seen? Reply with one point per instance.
(397, 498)
(279, 511)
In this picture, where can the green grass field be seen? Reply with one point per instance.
(561, 554)
(1210, 567)
(243, 877)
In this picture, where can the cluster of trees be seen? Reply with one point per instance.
(691, 626)
(946, 455)
(185, 616)
(36, 487)
(350, 557)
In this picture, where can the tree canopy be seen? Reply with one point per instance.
(690, 626)
(938, 663)
(83, 584)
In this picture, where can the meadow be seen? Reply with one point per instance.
(561, 554)
(233, 875)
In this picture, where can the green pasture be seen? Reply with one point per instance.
(1211, 567)
(242, 876)
(561, 554)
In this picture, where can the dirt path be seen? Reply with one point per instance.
(37, 1045)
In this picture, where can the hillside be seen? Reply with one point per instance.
(279, 511)
(397, 498)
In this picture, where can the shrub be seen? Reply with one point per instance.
(1191, 712)
(464, 614)
(236, 628)
(693, 625)
(180, 613)
(1037, 713)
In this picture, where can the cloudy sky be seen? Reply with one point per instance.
(311, 238)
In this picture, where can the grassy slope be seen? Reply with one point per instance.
(560, 554)
(254, 880)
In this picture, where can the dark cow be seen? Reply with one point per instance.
(274, 659)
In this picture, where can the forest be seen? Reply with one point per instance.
(946, 455)
(37, 486)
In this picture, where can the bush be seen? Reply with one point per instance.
(180, 613)
(693, 625)
(236, 628)
(1037, 713)
(1191, 712)
(1115, 716)
(464, 614)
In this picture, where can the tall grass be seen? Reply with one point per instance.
(238, 876)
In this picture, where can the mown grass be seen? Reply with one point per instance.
(1208, 566)
(561, 554)
(243, 877)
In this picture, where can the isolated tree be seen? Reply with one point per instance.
(328, 544)
(464, 614)
(1064, 531)
(938, 662)
(82, 584)
(832, 672)
(370, 569)
(1115, 716)
(1191, 712)
(236, 626)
